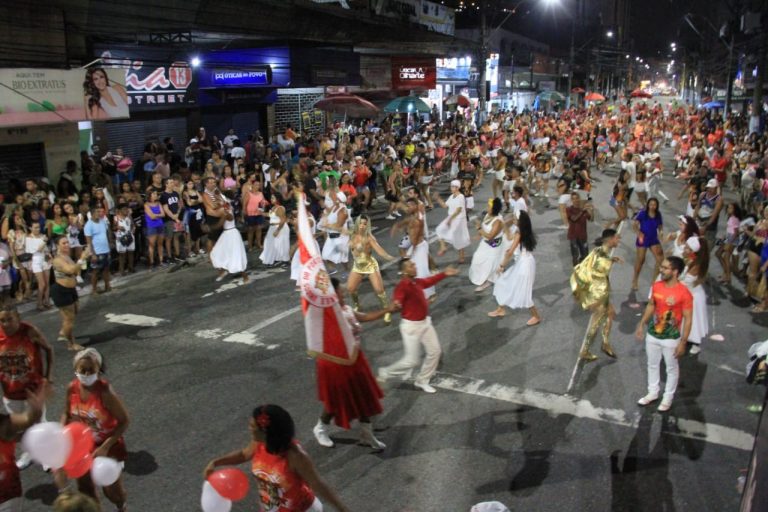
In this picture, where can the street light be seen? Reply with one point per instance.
(195, 62)
(609, 34)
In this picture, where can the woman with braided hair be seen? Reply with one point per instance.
(286, 477)
(363, 244)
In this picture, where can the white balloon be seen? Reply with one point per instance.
(47, 444)
(212, 501)
(105, 471)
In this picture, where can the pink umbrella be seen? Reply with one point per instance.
(593, 96)
(347, 104)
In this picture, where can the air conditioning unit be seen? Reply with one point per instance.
(750, 22)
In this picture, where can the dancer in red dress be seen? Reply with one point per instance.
(349, 392)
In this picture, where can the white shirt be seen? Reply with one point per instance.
(519, 205)
(237, 152)
(229, 141)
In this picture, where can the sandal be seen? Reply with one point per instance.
(758, 309)
(533, 321)
(496, 314)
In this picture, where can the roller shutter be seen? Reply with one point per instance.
(21, 161)
(132, 136)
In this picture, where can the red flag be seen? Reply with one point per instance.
(329, 335)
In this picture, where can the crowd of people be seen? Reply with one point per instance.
(214, 200)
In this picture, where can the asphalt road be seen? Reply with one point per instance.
(515, 419)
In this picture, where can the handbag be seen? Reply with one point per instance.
(126, 240)
(24, 257)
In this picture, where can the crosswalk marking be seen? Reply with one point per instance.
(582, 408)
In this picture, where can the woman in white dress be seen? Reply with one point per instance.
(489, 252)
(687, 229)
(277, 244)
(514, 289)
(453, 229)
(696, 257)
(336, 246)
(228, 255)
(36, 244)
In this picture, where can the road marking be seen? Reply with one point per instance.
(578, 365)
(252, 276)
(729, 369)
(135, 320)
(581, 408)
(244, 337)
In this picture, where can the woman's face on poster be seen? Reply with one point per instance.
(99, 80)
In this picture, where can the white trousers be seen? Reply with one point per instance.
(655, 349)
(415, 334)
(315, 507)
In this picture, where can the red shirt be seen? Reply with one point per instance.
(410, 294)
(669, 303)
(280, 488)
(21, 364)
(92, 411)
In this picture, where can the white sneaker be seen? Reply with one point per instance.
(664, 406)
(390, 217)
(695, 349)
(367, 438)
(24, 461)
(424, 386)
(482, 287)
(647, 399)
(321, 434)
(397, 213)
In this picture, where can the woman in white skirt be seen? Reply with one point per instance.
(453, 229)
(277, 243)
(514, 289)
(336, 246)
(489, 252)
(696, 256)
(228, 255)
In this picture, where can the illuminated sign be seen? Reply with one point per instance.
(241, 78)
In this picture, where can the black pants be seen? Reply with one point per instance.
(578, 250)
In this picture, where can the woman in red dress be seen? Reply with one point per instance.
(91, 400)
(286, 477)
(349, 392)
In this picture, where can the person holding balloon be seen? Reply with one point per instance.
(11, 426)
(92, 401)
(286, 477)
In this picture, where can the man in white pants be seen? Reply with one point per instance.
(416, 326)
(668, 320)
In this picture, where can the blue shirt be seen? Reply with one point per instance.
(98, 233)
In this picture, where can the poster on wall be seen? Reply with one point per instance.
(49, 96)
(153, 80)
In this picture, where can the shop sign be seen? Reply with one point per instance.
(241, 78)
(413, 74)
(31, 96)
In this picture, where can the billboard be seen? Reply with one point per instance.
(153, 79)
(413, 73)
(31, 96)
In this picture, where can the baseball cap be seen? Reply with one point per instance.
(712, 183)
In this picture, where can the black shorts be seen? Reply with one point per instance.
(254, 220)
(63, 296)
(215, 227)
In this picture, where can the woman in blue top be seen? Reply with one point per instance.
(648, 227)
(153, 222)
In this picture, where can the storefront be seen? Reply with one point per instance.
(236, 87)
(453, 75)
(161, 98)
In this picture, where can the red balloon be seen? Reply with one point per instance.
(82, 442)
(230, 483)
(79, 467)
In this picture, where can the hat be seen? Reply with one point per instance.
(489, 506)
(682, 219)
(264, 167)
(693, 243)
(193, 140)
(685, 136)
(712, 183)
(341, 196)
(748, 222)
(455, 183)
(655, 156)
(358, 157)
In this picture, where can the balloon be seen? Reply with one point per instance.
(211, 501)
(82, 442)
(105, 471)
(47, 444)
(78, 468)
(230, 483)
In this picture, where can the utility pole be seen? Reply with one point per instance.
(571, 59)
(729, 77)
(481, 99)
(757, 95)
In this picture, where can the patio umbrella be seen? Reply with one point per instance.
(713, 104)
(407, 104)
(552, 96)
(348, 105)
(578, 90)
(639, 93)
(593, 96)
(459, 100)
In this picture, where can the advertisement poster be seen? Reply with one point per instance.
(50, 96)
(413, 73)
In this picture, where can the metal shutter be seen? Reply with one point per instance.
(132, 136)
(21, 161)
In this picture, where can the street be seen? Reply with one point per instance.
(516, 417)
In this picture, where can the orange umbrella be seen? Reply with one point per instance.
(578, 90)
(593, 96)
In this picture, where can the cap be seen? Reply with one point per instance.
(455, 183)
(655, 156)
(489, 506)
(193, 140)
(358, 157)
(341, 196)
(712, 183)
(693, 243)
